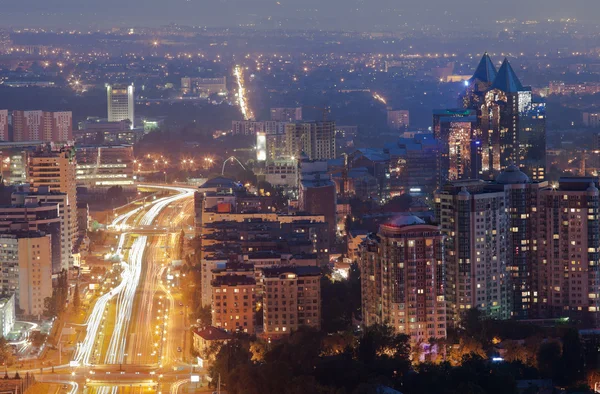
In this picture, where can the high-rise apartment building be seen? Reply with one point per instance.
(491, 245)
(292, 298)
(121, 102)
(402, 278)
(54, 171)
(315, 139)
(456, 130)
(33, 216)
(517, 248)
(568, 249)
(42, 197)
(510, 125)
(26, 269)
(477, 246)
(42, 126)
(233, 302)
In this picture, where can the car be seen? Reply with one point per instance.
(178, 349)
(66, 386)
(180, 303)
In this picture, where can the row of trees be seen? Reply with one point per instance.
(315, 362)
(56, 304)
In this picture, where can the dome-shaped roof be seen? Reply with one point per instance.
(464, 192)
(404, 220)
(512, 175)
(592, 188)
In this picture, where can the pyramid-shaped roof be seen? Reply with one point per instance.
(507, 80)
(485, 71)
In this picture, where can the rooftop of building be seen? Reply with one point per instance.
(220, 182)
(42, 191)
(233, 280)
(317, 183)
(17, 234)
(211, 333)
(485, 71)
(264, 255)
(234, 266)
(103, 146)
(304, 256)
(512, 175)
(571, 184)
(30, 205)
(506, 80)
(272, 272)
(403, 221)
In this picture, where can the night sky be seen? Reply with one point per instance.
(363, 15)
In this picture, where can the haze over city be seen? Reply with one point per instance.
(293, 197)
(353, 15)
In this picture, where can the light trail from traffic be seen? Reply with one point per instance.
(379, 98)
(176, 385)
(125, 290)
(241, 94)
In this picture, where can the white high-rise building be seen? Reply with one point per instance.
(27, 269)
(54, 171)
(120, 103)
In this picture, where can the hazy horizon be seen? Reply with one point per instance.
(360, 15)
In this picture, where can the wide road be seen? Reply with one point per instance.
(135, 332)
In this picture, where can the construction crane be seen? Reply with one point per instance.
(325, 110)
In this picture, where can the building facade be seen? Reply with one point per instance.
(101, 167)
(121, 103)
(292, 298)
(402, 278)
(42, 126)
(25, 260)
(476, 229)
(398, 119)
(233, 303)
(288, 114)
(55, 171)
(510, 124)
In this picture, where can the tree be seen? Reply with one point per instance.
(381, 341)
(204, 314)
(37, 338)
(516, 352)
(6, 353)
(180, 245)
(76, 298)
(572, 360)
(467, 346)
(231, 355)
(548, 359)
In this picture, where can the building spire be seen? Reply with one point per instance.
(507, 80)
(485, 71)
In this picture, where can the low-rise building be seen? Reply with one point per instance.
(292, 299)
(207, 340)
(233, 303)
